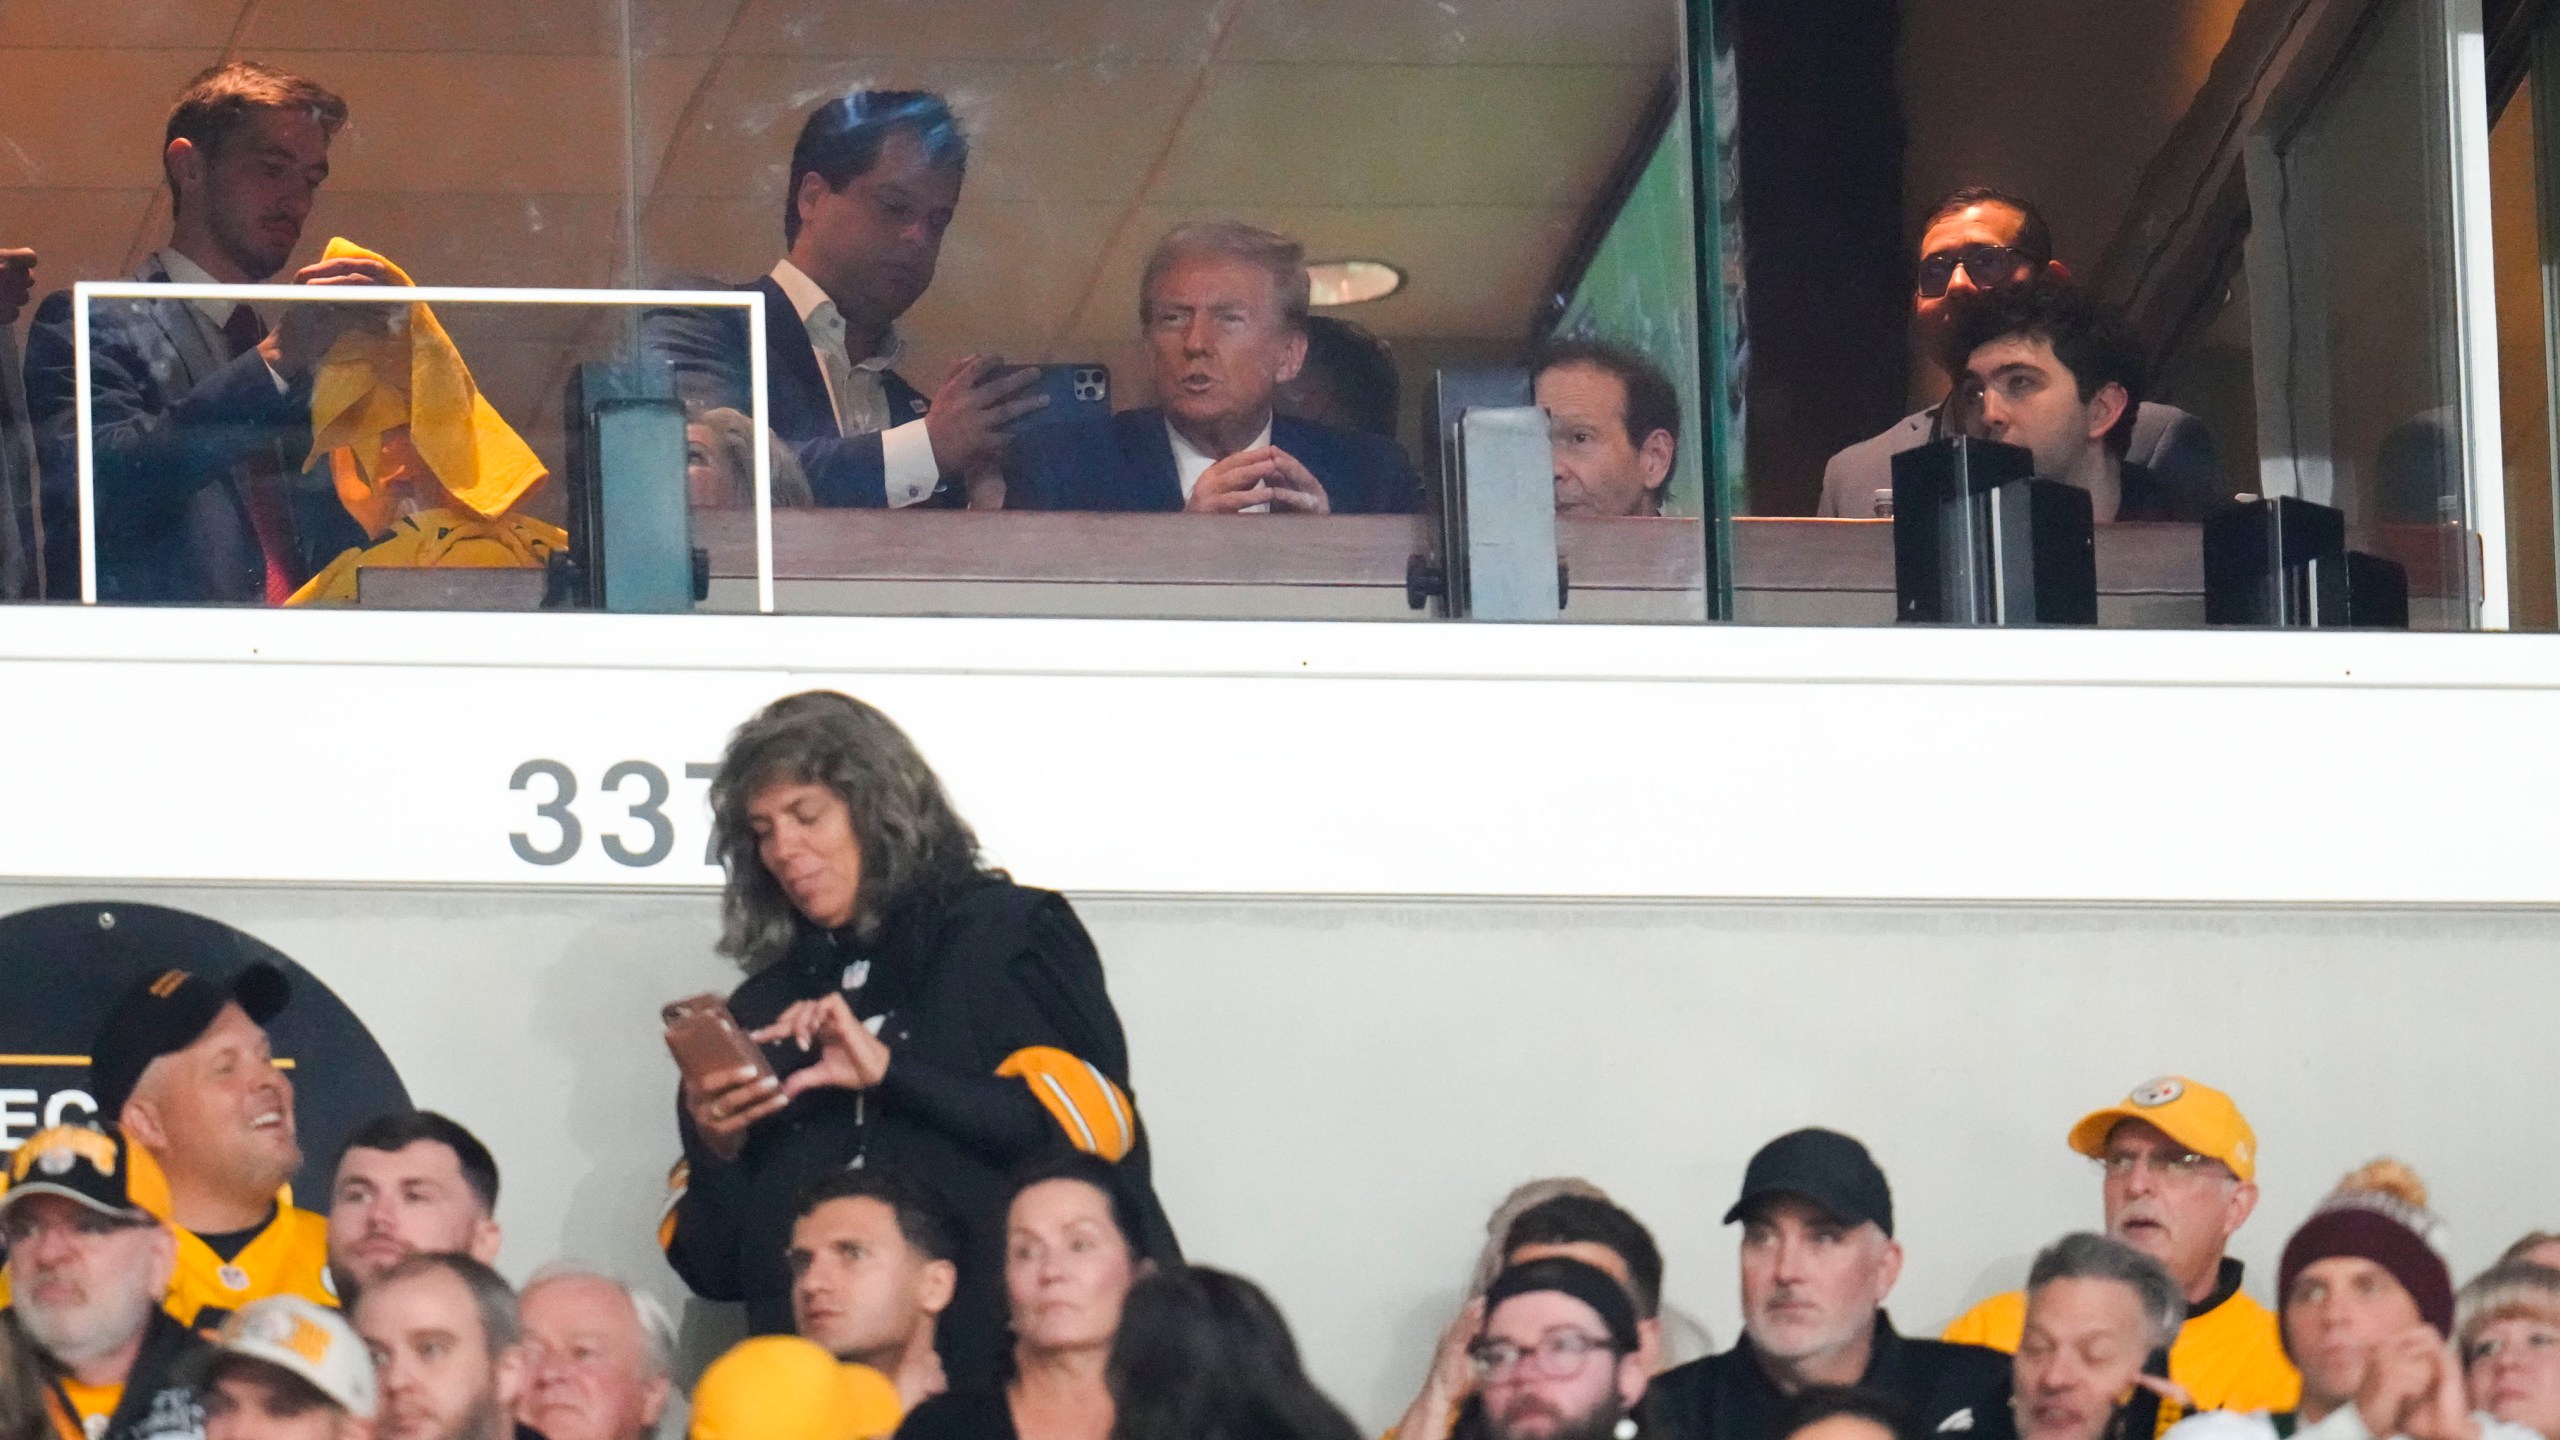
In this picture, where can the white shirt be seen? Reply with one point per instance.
(1190, 464)
(858, 396)
(2344, 1423)
(213, 313)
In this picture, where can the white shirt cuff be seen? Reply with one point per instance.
(278, 377)
(907, 465)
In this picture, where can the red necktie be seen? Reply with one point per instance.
(258, 493)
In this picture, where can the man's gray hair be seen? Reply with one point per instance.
(1284, 258)
(2084, 1256)
(490, 1292)
(657, 1326)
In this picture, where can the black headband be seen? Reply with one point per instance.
(1589, 1284)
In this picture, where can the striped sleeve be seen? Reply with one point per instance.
(1094, 1114)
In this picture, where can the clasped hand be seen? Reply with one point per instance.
(2414, 1388)
(850, 1057)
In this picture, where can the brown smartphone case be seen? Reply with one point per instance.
(709, 1047)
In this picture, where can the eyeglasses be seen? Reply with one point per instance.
(1991, 267)
(2180, 1165)
(1560, 1356)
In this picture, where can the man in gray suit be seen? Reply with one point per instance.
(202, 413)
(1977, 241)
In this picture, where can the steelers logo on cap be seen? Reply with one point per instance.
(2154, 1093)
(57, 1161)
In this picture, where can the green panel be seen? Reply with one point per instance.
(1641, 290)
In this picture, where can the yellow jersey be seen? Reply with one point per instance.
(2228, 1356)
(289, 1257)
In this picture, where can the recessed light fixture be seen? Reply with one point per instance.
(1349, 282)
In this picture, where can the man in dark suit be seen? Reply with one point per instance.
(1224, 306)
(875, 180)
(202, 414)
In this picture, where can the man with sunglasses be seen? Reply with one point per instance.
(2180, 1167)
(87, 1265)
(1981, 241)
(1558, 1358)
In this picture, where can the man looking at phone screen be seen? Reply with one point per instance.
(1224, 308)
(875, 182)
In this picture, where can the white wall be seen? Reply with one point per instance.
(1340, 1089)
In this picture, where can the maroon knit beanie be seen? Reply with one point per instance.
(2363, 1225)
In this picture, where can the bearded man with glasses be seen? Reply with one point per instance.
(1981, 241)
(2180, 1167)
(1557, 1358)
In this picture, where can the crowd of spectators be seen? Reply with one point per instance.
(210, 485)
(928, 1188)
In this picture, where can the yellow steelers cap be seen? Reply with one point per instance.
(2197, 1116)
(781, 1387)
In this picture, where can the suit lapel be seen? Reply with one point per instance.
(1154, 482)
(175, 321)
(801, 409)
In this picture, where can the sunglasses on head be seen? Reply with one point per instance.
(1991, 267)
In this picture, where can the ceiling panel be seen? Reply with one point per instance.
(458, 123)
(156, 24)
(77, 234)
(1389, 135)
(70, 119)
(574, 27)
(1025, 146)
(1456, 32)
(1052, 32)
(680, 27)
(544, 240)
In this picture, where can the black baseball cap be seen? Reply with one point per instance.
(1823, 1166)
(80, 1163)
(164, 1012)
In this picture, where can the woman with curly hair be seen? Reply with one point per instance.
(920, 1010)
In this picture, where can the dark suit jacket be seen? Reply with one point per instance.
(708, 350)
(1126, 463)
(178, 427)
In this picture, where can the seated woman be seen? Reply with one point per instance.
(1202, 1352)
(2507, 1330)
(932, 1015)
(1071, 1257)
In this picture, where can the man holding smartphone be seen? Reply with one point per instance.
(875, 181)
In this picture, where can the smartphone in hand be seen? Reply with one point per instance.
(1080, 390)
(709, 1046)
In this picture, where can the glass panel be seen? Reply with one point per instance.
(2367, 218)
(1510, 169)
(2524, 396)
(379, 446)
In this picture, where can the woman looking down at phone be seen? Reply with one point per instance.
(919, 1010)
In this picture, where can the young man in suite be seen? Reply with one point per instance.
(1224, 307)
(875, 181)
(203, 413)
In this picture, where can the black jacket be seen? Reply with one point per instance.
(963, 981)
(1730, 1397)
(158, 1404)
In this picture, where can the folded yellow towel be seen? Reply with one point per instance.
(411, 384)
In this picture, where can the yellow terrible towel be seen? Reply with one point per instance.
(372, 384)
(451, 538)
